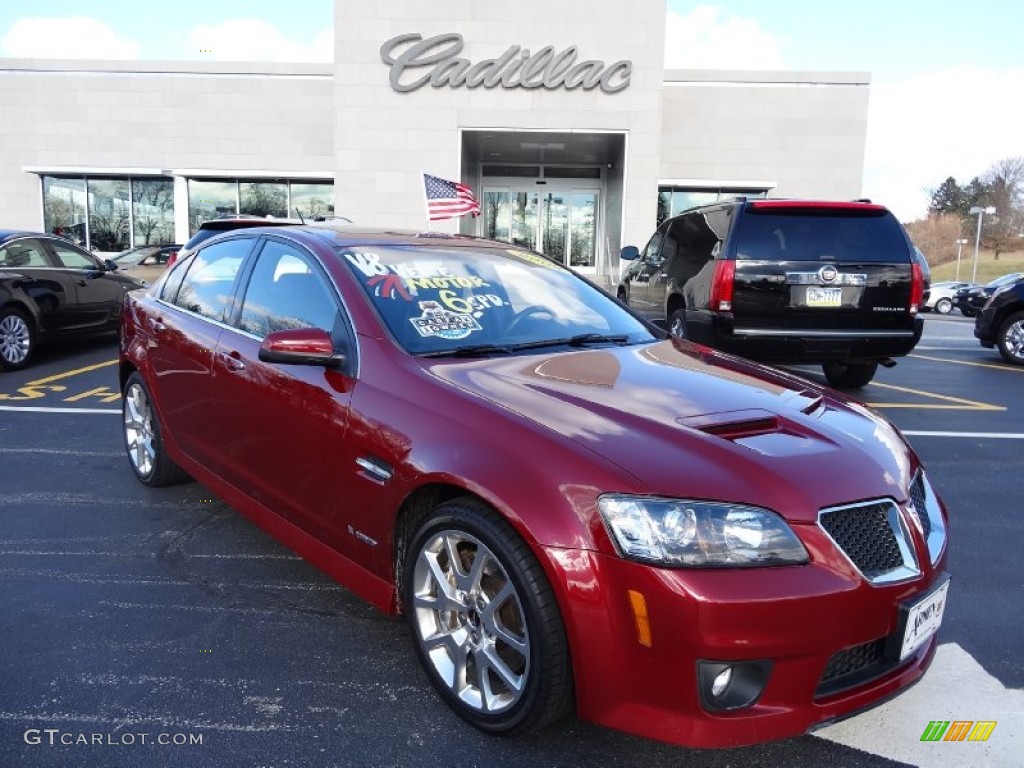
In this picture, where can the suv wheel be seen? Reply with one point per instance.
(1011, 339)
(849, 375)
(677, 323)
(943, 306)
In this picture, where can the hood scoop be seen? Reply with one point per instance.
(734, 425)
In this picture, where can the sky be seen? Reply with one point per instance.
(947, 78)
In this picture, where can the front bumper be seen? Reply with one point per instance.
(796, 619)
(985, 327)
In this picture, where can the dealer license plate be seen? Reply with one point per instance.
(923, 620)
(824, 297)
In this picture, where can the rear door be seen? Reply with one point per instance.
(184, 327)
(824, 267)
(98, 299)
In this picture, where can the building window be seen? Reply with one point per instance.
(259, 198)
(64, 208)
(312, 199)
(109, 215)
(153, 211)
(674, 200)
(211, 199)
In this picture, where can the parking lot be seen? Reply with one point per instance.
(130, 611)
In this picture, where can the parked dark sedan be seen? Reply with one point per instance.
(568, 507)
(50, 287)
(1001, 322)
(970, 300)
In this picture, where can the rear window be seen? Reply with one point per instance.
(813, 235)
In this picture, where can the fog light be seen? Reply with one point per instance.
(733, 684)
(721, 682)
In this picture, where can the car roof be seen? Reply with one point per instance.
(7, 234)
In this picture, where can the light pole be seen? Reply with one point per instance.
(960, 243)
(980, 212)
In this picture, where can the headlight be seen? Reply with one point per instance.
(699, 534)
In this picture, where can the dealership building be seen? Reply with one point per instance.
(561, 117)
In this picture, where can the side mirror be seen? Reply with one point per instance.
(110, 266)
(629, 253)
(303, 346)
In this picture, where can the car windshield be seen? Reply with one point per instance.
(132, 257)
(872, 236)
(485, 300)
(1004, 280)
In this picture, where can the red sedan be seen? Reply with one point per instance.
(569, 508)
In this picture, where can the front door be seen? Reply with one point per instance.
(560, 222)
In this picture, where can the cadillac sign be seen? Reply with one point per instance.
(416, 61)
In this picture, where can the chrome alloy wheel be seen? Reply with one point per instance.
(1013, 340)
(15, 339)
(138, 429)
(470, 622)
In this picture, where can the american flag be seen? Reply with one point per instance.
(448, 199)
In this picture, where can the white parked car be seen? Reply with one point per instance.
(941, 297)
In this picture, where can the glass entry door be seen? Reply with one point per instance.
(560, 223)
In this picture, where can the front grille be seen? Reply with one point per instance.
(917, 496)
(865, 533)
(853, 666)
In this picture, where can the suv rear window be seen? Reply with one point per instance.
(814, 234)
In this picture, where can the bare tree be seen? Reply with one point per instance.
(1004, 190)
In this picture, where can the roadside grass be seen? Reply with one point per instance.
(988, 267)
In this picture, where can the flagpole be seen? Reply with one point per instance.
(426, 202)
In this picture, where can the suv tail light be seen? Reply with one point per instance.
(171, 258)
(721, 285)
(916, 287)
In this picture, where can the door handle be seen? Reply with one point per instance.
(232, 361)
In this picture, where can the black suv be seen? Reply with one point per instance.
(784, 281)
(1001, 322)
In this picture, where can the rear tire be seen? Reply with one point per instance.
(967, 312)
(849, 375)
(944, 306)
(17, 339)
(485, 622)
(1011, 339)
(142, 439)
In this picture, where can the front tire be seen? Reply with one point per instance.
(849, 375)
(1011, 339)
(484, 621)
(17, 339)
(142, 438)
(944, 306)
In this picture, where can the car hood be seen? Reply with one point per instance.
(686, 421)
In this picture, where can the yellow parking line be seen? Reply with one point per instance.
(958, 402)
(966, 362)
(75, 372)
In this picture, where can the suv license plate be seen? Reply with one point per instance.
(923, 620)
(824, 297)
